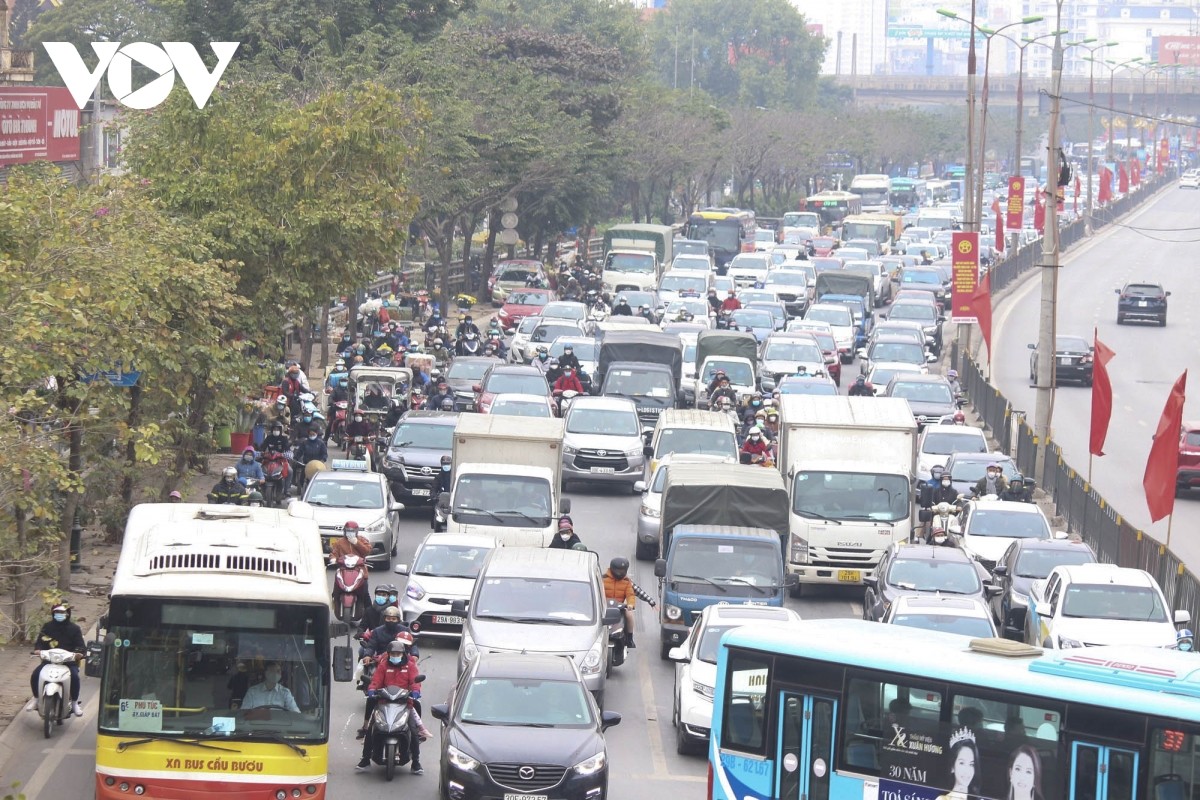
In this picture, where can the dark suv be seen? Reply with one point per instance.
(415, 452)
(1142, 301)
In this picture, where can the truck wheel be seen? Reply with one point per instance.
(797, 591)
(645, 552)
(664, 651)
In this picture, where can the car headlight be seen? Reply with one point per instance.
(633, 452)
(647, 511)
(569, 450)
(1017, 600)
(1066, 644)
(672, 612)
(414, 590)
(461, 760)
(702, 689)
(378, 526)
(395, 462)
(591, 766)
(594, 659)
(469, 650)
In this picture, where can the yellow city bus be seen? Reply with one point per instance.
(203, 600)
(833, 207)
(728, 231)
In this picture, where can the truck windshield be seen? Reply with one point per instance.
(736, 565)
(511, 501)
(702, 441)
(739, 372)
(629, 262)
(634, 383)
(851, 496)
(801, 219)
(684, 283)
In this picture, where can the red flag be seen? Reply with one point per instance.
(981, 304)
(1101, 396)
(1039, 213)
(1134, 171)
(1075, 199)
(1105, 185)
(999, 229)
(1122, 178)
(1163, 462)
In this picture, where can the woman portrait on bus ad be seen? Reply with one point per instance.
(964, 767)
(1024, 774)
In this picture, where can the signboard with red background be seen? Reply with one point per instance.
(1015, 208)
(37, 123)
(964, 260)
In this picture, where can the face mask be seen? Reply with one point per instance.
(312, 437)
(392, 625)
(381, 600)
(945, 483)
(60, 617)
(358, 419)
(1185, 645)
(993, 475)
(247, 458)
(564, 535)
(756, 403)
(939, 539)
(754, 437)
(272, 677)
(397, 660)
(351, 535)
(445, 467)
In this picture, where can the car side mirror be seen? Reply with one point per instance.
(459, 608)
(639, 487)
(873, 582)
(930, 358)
(1116, 291)
(791, 580)
(660, 568)
(608, 719)
(1043, 609)
(477, 388)
(1168, 294)
(992, 590)
(1000, 571)
(443, 499)
(440, 711)
(648, 452)
(1182, 617)
(400, 569)
(861, 352)
(395, 506)
(612, 615)
(883, 316)
(925, 514)
(679, 654)
(1032, 346)
(564, 506)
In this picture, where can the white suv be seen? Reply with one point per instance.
(338, 496)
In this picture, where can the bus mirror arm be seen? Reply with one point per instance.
(338, 628)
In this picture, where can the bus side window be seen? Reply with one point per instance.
(745, 708)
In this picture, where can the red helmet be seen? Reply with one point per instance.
(351, 525)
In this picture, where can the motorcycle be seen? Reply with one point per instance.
(725, 321)
(469, 345)
(277, 471)
(337, 428)
(350, 576)
(562, 401)
(616, 637)
(942, 516)
(54, 681)
(392, 739)
(441, 513)
(416, 400)
(358, 449)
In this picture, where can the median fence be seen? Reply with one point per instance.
(1085, 510)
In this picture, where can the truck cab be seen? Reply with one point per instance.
(635, 256)
(653, 388)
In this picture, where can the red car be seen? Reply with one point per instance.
(522, 303)
(508, 379)
(1188, 476)
(824, 245)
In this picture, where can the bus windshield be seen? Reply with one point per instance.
(215, 668)
(723, 234)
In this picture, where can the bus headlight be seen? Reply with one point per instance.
(672, 612)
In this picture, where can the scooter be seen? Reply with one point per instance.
(563, 401)
(350, 576)
(54, 681)
(616, 637)
(358, 450)
(389, 722)
(278, 474)
(337, 428)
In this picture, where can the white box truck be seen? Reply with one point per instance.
(507, 479)
(635, 256)
(847, 463)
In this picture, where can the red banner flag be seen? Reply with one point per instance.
(1039, 214)
(1075, 199)
(1101, 395)
(1122, 179)
(981, 303)
(1105, 185)
(999, 229)
(1162, 465)
(1135, 172)
(1016, 202)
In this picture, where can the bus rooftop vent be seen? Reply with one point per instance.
(1004, 647)
(168, 562)
(223, 562)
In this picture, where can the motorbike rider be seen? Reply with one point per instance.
(541, 359)
(993, 482)
(228, 490)
(943, 492)
(441, 392)
(374, 399)
(468, 344)
(771, 431)
(374, 642)
(861, 388)
(62, 634)
(955, 386)
(294, 384)
(279, 412)
(755, 447)
(731, 303)
(496, 344)
(568, 381)
(396, 668)
(759, 420)
(439, 352)
(553, 371)
(358, 426)
(714, 302)
(566, 537)
(385, 595)
(619, 587)
(345, 345)
(622, 309)
(335, 377)
(1018, 490)
(441, 483)
(752, 407)
(723, 390)
(305, 423)
(568, 358)
(353, 543)
(341, 392)
(645, 313)
(465, 326)
(249, 469)
(311, 448)
(938, 536)
(1185, 641)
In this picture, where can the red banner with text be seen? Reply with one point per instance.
(1015, 207)
(964, 260)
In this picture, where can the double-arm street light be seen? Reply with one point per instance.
(1114, 67)
(1091, 59)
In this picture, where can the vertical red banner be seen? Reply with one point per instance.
(964, 260)
(1016, 203)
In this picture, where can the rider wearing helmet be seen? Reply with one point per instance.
(228, 491)
(352, 543)
(466, 326)
(385, 595)
(279, 412)
(622, 309)
(714, 302)
(955, 387)
(568, 358)
(755, 449)
(62, 634)
(1018, 491)
(277, 440)
(618, 587)
(644, 313)
(731, 303)
(396, 668)
(993, 482)
(1185, 640)
(566, 537)
(941, 491)
(861, 388)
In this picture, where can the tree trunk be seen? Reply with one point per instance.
(135, 407)
(71, 503)
(470, 224)
(16, 571)
(489, 251)
(445, 250)
(306, 341)
(189, 439)
(539, 240)
(635, 200)
(325, 336)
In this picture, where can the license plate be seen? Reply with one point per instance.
(1064, 362)
(1142, 303)
(420, 492)
(516, 796)
(447, 619)
(604, 470)
(849, 576)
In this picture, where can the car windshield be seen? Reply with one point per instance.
(824, 242)
(971, 470)
(689, 354)
(512, 501)
(1009, 524)
(548, 333)
(636, 299)
(918, 312)
(630, 262)
(834, 316)
(525, 702)
(739, 372)
(509, 383)
(862, 269)
(934, 575)
(710, 642)
(702, 441)
(464, 370)
(450, 560)
(750, 262)
(344, 494)
(939, 443)
(1071, 344)
(528, 325)
(923, 392)
(690, 248)
(564, 311)
(850, 495)
(818, 387)
(426, 437)
(975, 627)
(1108, 601)
(1192, 439)
(689, 262)
(513, 407)
(788, 278)
(1036, 563)
(637, 383)
(527, 298)
(902, 352)
(535, 600)
(800, 219)
(515, 274)
(1143, 290)
(920, 278)
(783, 350)
(882, 376)
(736, 567)
(603, 422)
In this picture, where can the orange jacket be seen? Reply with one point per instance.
(342, 547)
(621, 590)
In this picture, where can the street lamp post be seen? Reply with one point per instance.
(1114, 67)
(1091, 59)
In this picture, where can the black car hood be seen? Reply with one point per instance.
(562, 746)
(461, 384)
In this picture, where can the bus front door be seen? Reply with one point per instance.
(805, 756)
(1100, 772)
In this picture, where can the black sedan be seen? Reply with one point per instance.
(1026, 561)
(1142, 301)
(907, 570)
(520, 725)
(1072, 360)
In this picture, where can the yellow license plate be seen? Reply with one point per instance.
(849, 576)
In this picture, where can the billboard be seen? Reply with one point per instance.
(1183, 50)
(37, 123)
(964, 260)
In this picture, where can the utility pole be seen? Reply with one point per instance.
(970, 213)
(1044, 408)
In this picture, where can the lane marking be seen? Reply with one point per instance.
(672, 778)
(54, 755)
(657, 753)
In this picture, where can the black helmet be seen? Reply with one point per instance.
(619, 567)
(1016, 479)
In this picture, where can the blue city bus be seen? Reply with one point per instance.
(837, 709)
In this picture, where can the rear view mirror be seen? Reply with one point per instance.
(608, 719)
(612, 615)
(400, 569)
(678, 654)
(660, 568)
(1032, 346)
(639, 486)
(564, 506)
(1182, 617)
(459, 608)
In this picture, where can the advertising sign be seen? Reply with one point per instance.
(37, 123)
(964, 260)
(1015, 210)
(1182, 50)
